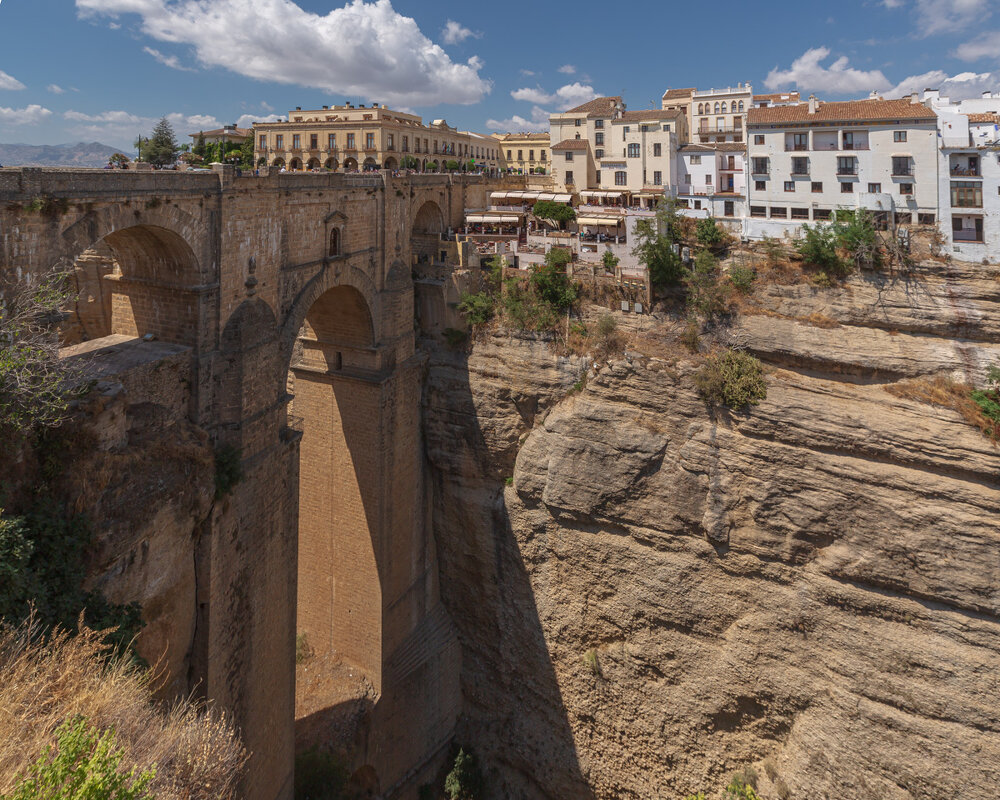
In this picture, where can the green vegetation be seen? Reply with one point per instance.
(592, 662)
(818, 246)
(84, 765)
(732, 378)
(465, 781)
(161, 148)
(319, 775)
(710, 234)
(559, 213)
(409, 162)
(838, 248)
(478, 308)
(988, 399)
(705, 294)
(228, 469)
(119, 160)
(657, 242)
(610, 261)
(452, 166)
(550, 281)
(742, 277)
(303, 650)
(743, 785)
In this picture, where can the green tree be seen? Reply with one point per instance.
(246, 152)
(452, 166)
(657, 253)
(818, 246)
(559, 213)
(550, 281)
(709, 233)
(610, 261)
(465, 781)
(199, 147)
(706, 295)
(470, 165)
(84, 765)
(161, 148)
(856, 234)
(409, 162)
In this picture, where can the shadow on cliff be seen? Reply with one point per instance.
(514, 717)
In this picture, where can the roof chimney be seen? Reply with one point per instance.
(813, 104)
(915, 98)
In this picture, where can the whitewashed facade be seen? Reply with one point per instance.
(711, 182)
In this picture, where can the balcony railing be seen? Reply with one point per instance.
(710, 131)
(800, 171)
(847, 170)
(796, 148)
(902, 172)
(967, 235)
(826, 146)
(855, 146)
(966, 172)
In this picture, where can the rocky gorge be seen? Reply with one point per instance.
(651, 593)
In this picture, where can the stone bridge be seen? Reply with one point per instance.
(291, 300)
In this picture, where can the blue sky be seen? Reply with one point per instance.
(105, 70)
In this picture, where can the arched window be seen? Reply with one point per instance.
(723, 106)
(716, 106)
(701, 108)
(334, 242)
(741, 106)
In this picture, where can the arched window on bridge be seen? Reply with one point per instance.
(334, 242)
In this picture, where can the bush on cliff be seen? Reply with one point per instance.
(732, 378)
(464, 782)
(988, 399)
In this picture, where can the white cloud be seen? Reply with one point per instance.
(365, 49)
(455, 32)
(807, 73)
(123, 126)
(168, 61)
(950, 16)
(9, 82)
(247, 120)
(892, 3)
(565, 97)
(517, 124)
(55, 88)
(527, 73)
(958, 87)
(31, 115)
(567, 69)
(985, 45)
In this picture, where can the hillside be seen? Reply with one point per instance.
(81, 154)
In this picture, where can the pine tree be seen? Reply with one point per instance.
(199, 148)
(162, 146)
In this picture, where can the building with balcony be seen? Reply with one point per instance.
(776, 99)
(580, 137)
(524, 153)
(969, 175)
(351, 138)
(711, 181)
(809, 159)
(679, 100)
(720, 115)
(229, 134)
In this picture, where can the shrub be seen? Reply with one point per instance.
(592, 662)
(82, 766)
(705, 295)
(610, 261)
(606, 336)
(742, 277)
(465, 781)
(319, 775)
(303, 652)
(988, 399)
(733, 378)
(478, 308)
(743, 785)
(551, 283)
(818, 246)
(656, 252)
(856, 234)
(709, 233)
(691, 335)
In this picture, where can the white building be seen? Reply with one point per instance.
(809, 159)
(969, 175)
(719, 115)
(711, 181)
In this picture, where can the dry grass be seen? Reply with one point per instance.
(947, 393)
(818, 320)
(197, 753)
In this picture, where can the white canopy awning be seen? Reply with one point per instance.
(562, 198)
(515, 195)
(498, 195)
(590, 194)
(546, 196)
(493, 219)
(612, 221)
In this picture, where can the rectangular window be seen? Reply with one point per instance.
(597, 177)
(817, 187)
(406, 144)
(899, 136)
(800, 166)
(598, 138)
(966, 194)
(848, 140)
(657, 178)
(875, 188)
(800, 141)
(542, 156)
(263, 141)
(789, 186)
(846, 165)
(621, 178)
(531, 155)
(657, 150)
(900, 165)
(569, 176)
(760, 186)
(576, 122)
(313, 141)
(520, 155)
(598, 124)
(697, 205)
(708, 180)
(350, 141)
(906, 188)
(390, 141)
(800, 213)
(569, 155)
(729, 209)
(369, 141)
(695, 159)
(761, 165)
(779, 212)
(279, 141)
(821, 214)
(633, 150)
(331, 141)
(758, 138)
(846, 187)
(758, 211)
(925, 219)
(508, 156)
(597, 154)
(296, 141)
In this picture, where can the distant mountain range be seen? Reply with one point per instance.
(80, 154)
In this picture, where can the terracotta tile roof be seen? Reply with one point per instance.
(571, 144)
(652, 113)
(695, 148)
(599, 106)
(242, 132)
(776, 97)
(730, 147)
(849, 111)
(980, 118)
(678, 94)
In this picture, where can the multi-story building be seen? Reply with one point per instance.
(711, 180)
(679, 100)
(524, 153)
(969, 175)
(229, 134)
(777, 99)
(808, 160)
(719, 115)
(350, 138)
(579, 138)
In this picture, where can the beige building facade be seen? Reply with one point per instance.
(720, 115)
(525, 153)
(351, 138)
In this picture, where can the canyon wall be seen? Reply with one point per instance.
(651, 594)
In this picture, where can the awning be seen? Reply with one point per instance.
(546, 196)
(901, 155)
(498, 195)
(515, 195)
(530, 195)
(590, 194)
(562, 198)
(612, 221)
(494, 219)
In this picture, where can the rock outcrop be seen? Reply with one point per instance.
(663, 594)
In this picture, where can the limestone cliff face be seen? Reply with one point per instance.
(663, 595)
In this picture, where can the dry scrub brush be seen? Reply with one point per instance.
(940, 391)
(197, 753)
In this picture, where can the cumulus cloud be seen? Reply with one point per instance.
(247, 120)
(9, 82)
(121, 127)
(538, 122)
(808, 73)
(985, 45)
(168, 61)
(31, 115)
(55, 88)
(565, 97)
(950, 16)
(567, 69)
(365, 49)
(962, 86)
(455, 32)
